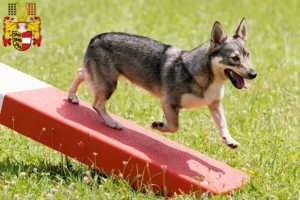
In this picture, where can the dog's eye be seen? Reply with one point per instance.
(235, 58)
(248, 54)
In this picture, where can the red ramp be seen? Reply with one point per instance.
(42, 113)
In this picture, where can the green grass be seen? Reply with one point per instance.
(265, 120)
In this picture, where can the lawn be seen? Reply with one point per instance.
(265, 120)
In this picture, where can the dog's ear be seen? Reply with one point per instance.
(218, 35)
(242, 30)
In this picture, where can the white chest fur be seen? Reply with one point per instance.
(214, 92)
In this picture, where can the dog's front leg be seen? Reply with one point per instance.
(171, 114)
(217, 111)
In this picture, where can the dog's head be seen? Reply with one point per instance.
(229, 55)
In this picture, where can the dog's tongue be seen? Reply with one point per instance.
(240, 82)
(247, 85)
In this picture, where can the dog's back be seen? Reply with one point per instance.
(139, 59)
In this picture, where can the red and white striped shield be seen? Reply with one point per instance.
(22, 41)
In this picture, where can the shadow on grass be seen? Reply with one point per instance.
(63, 170)
(45, 167)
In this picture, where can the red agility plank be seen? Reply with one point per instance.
(42, 113)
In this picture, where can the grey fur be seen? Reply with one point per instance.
(164, 70)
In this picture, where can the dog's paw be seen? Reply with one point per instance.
(160, 126)
(163, 127)
(73, 98)
(231, 142)
(115, 125)
(157, 125)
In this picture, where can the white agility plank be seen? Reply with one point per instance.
(12, 80)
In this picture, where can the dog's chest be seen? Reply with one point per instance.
(213, 93)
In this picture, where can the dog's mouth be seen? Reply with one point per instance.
(236, 80)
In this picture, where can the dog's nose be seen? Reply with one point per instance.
(252, 74)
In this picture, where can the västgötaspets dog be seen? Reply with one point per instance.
(179, 78)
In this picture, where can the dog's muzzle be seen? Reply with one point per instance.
(252, 74)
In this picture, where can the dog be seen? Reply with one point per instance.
(179, 78)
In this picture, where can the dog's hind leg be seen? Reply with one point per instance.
(100, 98)
(217, 111)
(171, 114)
(79, 78)
(101, 78)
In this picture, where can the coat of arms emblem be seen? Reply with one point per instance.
(21, 33)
